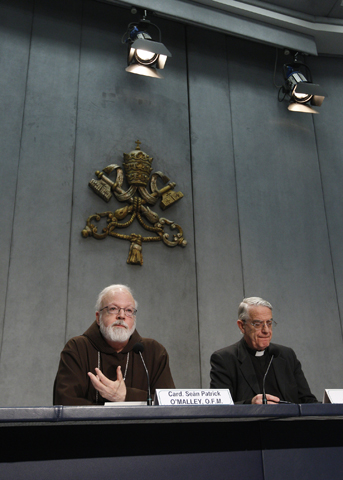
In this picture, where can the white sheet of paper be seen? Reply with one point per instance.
(333, 395)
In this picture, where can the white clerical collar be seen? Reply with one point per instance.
(259, 353)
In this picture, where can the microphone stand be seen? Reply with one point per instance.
(149, 399)
(139, 348)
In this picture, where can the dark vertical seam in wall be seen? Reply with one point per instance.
(331, 9)
(327, 228)
(191, 165)
(73, 182)
(234, 167)
(16, 186)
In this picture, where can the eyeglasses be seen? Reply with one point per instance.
(128, 311)
(258, 324)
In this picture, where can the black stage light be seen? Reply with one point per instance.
(299, 89)
(144, 54)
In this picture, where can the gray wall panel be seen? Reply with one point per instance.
(219, 270)
(15, 26)
(328, 73)
(38, 276)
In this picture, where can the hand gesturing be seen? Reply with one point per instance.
(112, 391)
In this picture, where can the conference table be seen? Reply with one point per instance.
(258, 442)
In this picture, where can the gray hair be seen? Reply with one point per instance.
(113, 289)
(243, 309)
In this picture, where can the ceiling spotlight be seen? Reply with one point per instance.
(145, 55)
(298, 88)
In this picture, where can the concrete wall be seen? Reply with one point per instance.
(261, 210)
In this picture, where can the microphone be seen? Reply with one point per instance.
(264, 398)
(139, 348)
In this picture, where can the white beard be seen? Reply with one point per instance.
(117, 334)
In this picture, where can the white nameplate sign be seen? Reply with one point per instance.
(193, 397)
(333, 395)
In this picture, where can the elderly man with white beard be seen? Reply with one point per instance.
(104, 364)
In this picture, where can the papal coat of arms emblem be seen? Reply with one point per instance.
(137, 170)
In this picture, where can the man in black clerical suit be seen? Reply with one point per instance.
(241, 367)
